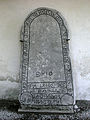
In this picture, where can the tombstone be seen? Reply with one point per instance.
(45, 74)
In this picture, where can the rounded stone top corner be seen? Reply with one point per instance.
(41, 9)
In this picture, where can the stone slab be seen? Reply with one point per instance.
(46, 75)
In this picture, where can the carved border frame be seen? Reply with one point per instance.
(25, 39)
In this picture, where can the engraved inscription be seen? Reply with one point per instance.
(46, 75)
(45, 56)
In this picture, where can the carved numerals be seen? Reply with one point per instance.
(49, 93)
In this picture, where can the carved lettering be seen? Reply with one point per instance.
(46, 76)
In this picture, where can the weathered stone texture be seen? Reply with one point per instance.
(46, 76)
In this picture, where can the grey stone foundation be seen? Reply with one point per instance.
(9, 111)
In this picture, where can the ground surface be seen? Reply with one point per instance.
(8, 111)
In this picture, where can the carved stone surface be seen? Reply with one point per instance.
(46, 76)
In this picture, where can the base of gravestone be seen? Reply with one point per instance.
(61, 109)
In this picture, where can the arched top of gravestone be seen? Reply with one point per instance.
(50, 12)
(47, 11)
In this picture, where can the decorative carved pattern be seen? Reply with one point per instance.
(26, 96)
